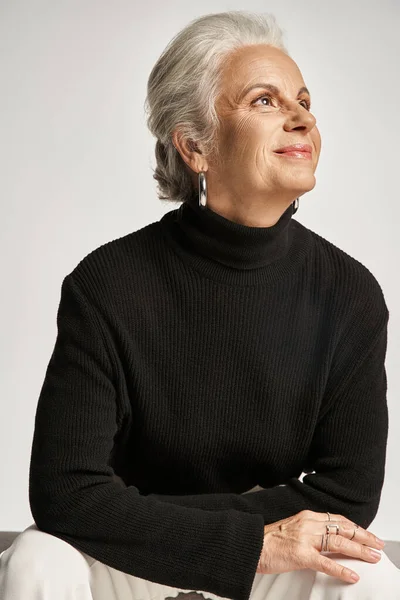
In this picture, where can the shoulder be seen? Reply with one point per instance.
(348, 285)
(113, 266)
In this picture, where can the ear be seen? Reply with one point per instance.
(190, 152)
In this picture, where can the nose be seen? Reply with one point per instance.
(299, 117)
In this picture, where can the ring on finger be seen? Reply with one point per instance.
(328, 528)
(356, 527)
(325, 537)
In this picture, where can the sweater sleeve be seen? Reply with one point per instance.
(74, 496)
(346, 462)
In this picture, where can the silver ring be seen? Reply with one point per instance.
(356, 527)
(325, 537)
(328, 527)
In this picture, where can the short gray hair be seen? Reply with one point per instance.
(184, 85)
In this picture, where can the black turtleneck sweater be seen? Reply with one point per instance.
(195, 359)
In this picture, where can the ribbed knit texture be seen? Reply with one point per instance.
(197, 358)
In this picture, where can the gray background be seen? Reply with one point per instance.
(76, 158)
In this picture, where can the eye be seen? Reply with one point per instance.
(307, 103)
(261, 97)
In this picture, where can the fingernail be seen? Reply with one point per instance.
(354, 576)
(380, 542)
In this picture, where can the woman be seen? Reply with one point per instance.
(225, 348)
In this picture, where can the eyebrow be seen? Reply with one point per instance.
(272, 88)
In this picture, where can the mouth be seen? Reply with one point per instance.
(295, 154)
(302, 151)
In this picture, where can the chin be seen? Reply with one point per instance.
(304, 185)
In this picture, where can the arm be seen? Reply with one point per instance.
(348, 449)
(74, 495)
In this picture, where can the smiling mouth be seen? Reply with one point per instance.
(295, 154)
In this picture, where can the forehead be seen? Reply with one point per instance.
(259, 62)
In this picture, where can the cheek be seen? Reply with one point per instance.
(242, 132)
(246, 140)
(317, 141)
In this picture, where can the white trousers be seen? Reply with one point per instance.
(40, 566)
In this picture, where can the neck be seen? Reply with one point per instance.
(229, 251)
(253, 214)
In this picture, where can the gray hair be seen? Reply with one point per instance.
(184, 85)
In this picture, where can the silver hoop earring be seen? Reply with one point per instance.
(295, 206)
(202, 189)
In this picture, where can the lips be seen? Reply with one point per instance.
(306, 148)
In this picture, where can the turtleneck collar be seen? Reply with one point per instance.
(231, 252)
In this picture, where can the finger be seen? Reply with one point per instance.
(337, 543)
(349, 529)
(326, 565)
(334, 517)
(361, 536)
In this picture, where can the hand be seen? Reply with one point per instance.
(295, 543)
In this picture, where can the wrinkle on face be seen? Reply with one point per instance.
(241, 134)
(249, 65)
(250, 177)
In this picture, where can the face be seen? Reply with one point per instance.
(254, 123)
